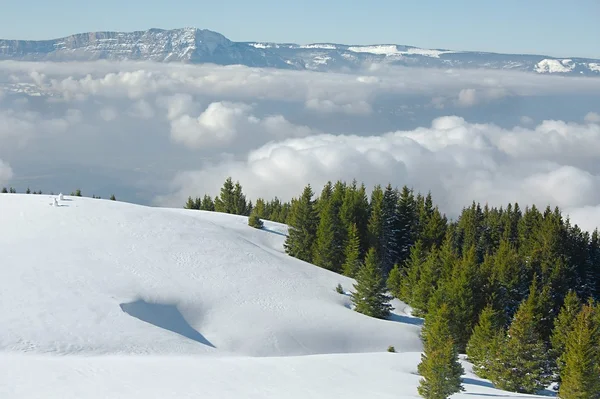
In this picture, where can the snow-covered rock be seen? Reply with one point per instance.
(191, 45)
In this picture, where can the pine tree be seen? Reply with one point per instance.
(113, 198)
(484, 344)
(580, 376)
(389, 231)
(407, 223)
(375, 225)
(370, 295)
(326, 247)
(426, 285)
(411, 273)
(524, 364)
(190, 204)
(4, 190)
(240, 206)
(302, 227)
(439, 367)
(394, 282)
(225, 201)
(254, 220)
(352, 254)
(563, 325)
(207, 204)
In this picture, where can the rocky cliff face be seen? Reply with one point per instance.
(190, 45)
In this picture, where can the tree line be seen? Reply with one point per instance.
(515, 289)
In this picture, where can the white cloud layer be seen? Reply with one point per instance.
(277, 130)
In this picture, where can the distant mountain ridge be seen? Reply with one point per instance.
(197, 46)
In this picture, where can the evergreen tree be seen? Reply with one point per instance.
(485, 342)
(254, 220)
(302, 227)
(190, 204)
(240, 206)
(207, 204)
(370, 295)
(563, 325)
(326, 245)
(4, 190)
(407, 223)
(524, 362)
(375, 225)
(352, 254)
(580, 376)
(439, 367)
(113, 198)
(411, 273)
(394, 282)
(390, 229)
(427, 283)
(225, 201)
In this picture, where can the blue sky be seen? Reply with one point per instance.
(551, 27)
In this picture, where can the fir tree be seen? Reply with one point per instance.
(524, 362)
(580, 376)
(4, 190)
(375, 225)
(484, 344)
(302, 227)
(370, 295)
(225, 201)
(407, 223)
(207, 203)
(240, 206)
(113, 198)
(190, 204)
(254, 220)
(352, 254)
(389, 230)
(439, 367)
(411, 273)
(326, 245)
(563, 325)
(394, 282)
(426, 284)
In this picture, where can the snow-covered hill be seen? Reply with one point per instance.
(193, 45)
(102, 299)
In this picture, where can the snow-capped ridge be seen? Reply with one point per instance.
(194, 46)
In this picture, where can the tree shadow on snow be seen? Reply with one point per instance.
(164, 316)
(405, 319)
(274, 232)
(487, 384)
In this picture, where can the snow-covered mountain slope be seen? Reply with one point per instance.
(102, 299)
(193, 45)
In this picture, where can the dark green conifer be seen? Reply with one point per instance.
(370, 295)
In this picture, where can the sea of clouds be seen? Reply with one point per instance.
(157, 133)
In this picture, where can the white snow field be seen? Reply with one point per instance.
(104, 299)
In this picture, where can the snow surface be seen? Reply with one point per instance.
(103, 299)
(554, 66)
(392, 49)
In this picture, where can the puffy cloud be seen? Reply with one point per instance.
(218, 124)
(457, 160)
(329, 106)
(222, 122)
(592, 117)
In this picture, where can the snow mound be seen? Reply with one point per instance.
(104, 277)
